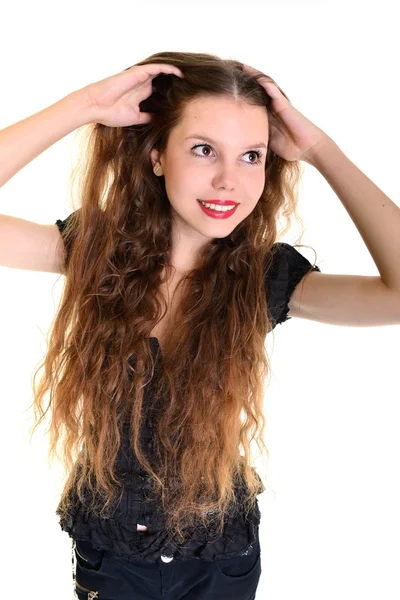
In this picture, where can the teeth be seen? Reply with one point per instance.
(216, 207)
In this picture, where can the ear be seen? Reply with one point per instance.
(154, 157)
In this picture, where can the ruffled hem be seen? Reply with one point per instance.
(238, 538)
(117, 532)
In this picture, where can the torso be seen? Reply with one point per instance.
(167, 291)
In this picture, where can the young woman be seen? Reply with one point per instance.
(174, 276)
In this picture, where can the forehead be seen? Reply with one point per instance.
(224, 115)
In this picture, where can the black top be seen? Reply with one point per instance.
(119, 534)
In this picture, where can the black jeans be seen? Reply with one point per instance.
(99, 574)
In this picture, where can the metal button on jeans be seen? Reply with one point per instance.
(166, 559)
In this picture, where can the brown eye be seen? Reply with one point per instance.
(256, 152)
(200, 146)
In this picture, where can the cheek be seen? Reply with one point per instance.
(188, 189)
(250, 208)
(182, 194)
(253, 190)
(183, 179)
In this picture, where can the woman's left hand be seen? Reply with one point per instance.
(292, 135)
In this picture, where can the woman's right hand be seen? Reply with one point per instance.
(114, 101)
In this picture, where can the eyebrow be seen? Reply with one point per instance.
(204, 137)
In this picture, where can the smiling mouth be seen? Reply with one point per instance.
(218, 207)
(218, 213)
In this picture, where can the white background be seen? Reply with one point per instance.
(330, 518)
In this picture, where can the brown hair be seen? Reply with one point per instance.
(210, 390)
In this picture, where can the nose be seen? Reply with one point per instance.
(225, 178)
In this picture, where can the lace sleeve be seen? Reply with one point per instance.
(67, 231)
(287, 269)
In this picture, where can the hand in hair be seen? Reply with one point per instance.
(292, 135)
(114, 101)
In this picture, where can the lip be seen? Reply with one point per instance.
(221, 202)
(219, 215)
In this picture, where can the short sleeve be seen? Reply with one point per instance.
(287, 269)
(66, 228)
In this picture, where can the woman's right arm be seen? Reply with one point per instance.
(22, 142)
(114, 102)
(24, 244)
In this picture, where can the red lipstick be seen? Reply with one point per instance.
(219, 214)
(221, 202)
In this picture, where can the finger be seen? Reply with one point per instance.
(251, 70)
(275, 93)
(268, 84)
(259, 76)
(163, 69)
(150, 71)
(144, 118)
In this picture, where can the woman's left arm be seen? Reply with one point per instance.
(341, 299)
(374, 214)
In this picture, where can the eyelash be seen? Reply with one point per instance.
(257, 152)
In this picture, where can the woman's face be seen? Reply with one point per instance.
(224, 166)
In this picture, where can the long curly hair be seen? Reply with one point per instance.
(208, 399)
